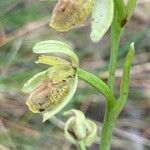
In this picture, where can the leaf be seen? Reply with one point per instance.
(130, 7)
(102, 16)
(52, 46)
(72, 89)
(124, 88)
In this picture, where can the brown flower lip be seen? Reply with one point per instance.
(47, 95)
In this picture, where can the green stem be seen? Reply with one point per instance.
(115, 38)
(112, 115)
(107, 130)
(117, 27)
(99, 85)
(82, 145)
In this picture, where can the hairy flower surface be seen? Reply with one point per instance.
(48, 95)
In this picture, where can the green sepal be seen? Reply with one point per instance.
(52, 46)
(34, 82)
(51, 60)
(102, 16)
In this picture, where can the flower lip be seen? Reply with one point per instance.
(47, 96)
(70, 13)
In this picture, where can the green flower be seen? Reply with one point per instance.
(51, 90)
(78, 128)
(69, 14)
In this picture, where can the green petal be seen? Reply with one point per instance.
(102, 16)
(34, 82)
(52, 46)
(51, 60)
(92, 132)
(68, 125)
(73, 86)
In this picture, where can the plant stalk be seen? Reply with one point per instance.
(112, 115)
(115, 38)
(107, 130)
(82, 145)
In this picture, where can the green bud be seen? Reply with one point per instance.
(78, 128)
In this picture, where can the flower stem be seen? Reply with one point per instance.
(113, 57)
(112, 115)
(82, 145)
(117, 27)
(107, 130)
(99, 85)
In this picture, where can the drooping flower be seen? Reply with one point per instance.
(70, 13)
(52, 89)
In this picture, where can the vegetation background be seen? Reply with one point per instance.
(24, 23)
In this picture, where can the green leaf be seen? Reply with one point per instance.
(73, 86)
(102, 16)
(34, 82)
(126, 75)
(130, 7)
(52, 46)
(124, 88)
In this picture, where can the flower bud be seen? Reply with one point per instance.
(78, 128)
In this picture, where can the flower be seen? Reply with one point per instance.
(78, 128)
(51, 90)
(70, 13)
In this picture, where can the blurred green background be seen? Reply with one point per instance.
(24, 23)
